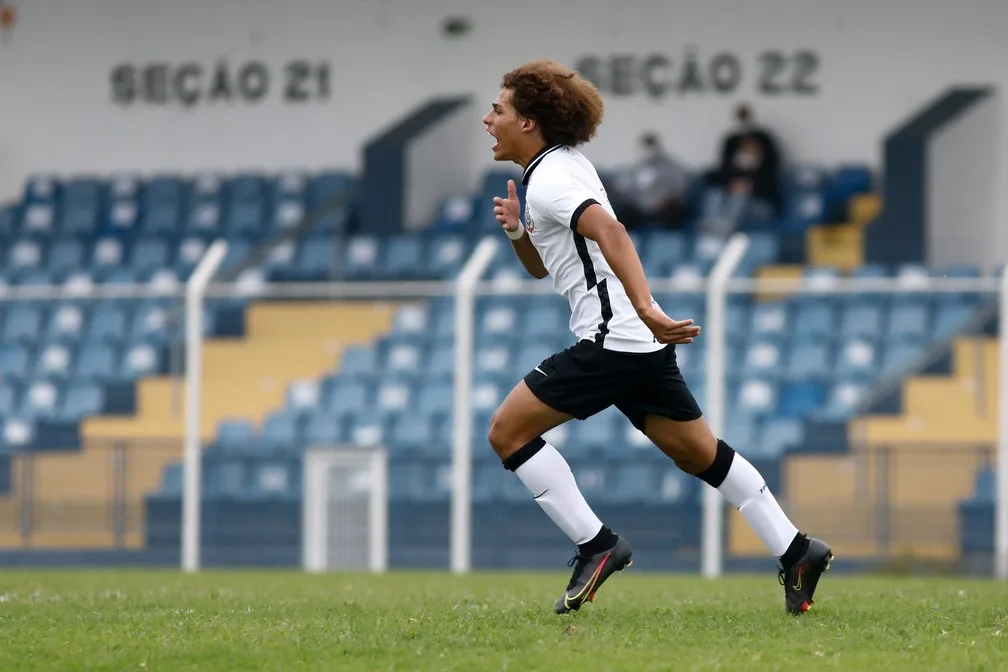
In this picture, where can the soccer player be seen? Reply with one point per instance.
(625, 350)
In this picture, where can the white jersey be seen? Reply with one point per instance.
(560, 185)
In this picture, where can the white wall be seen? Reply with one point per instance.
(962, 191)
(878, 60)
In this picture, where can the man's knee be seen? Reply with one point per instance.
(691, 446)
(502, 438)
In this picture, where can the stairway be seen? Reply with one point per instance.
(243, 378)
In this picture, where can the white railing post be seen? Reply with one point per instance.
(711, 555)
(1001, 506)
(461, 498)
(192, 463)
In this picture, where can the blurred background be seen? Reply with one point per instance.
(338, 145)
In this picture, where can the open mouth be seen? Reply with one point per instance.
(496, 144)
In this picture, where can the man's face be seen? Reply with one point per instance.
(503, 124)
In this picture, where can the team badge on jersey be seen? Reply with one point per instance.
(529, 222)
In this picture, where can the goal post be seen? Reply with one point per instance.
(195, 294)
(345, 509)
(711, 553)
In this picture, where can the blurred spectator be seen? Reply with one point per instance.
(653, 191)
(747, 180)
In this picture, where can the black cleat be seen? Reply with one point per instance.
(590, 572)
(801, 579)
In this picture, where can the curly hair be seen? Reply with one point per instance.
(567, 107)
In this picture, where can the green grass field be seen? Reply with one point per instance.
(119, 620)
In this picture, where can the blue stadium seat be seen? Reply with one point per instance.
(809, 361)
(436, 397)
(25, 255)
(280, 431)
(108, 323)
(23, 324)
(54, 362)
(361, 260)
(149, 254)
(762, 360)
(403, 258)
(328, 185)
(861, 321)
(140, 360)
(202, 217)
(15, 361)
(909, 321)
(858, 360)
(898, 355)
(414, 432)
(234, 432)
(446, 256)
(487, 483)
(359, 361)
(40, 401)
(81, 401)
(664, 251)
(770, 320)
(950, 318)
(8, 402)
(635, 483)
(403, 359)
(96, 362)
(779, 435)
(815, 322)
(545, 321)
(799, 398)
(245, 218)
(842, 400)
(324, 429)
(756, 397)
(441, 362)
(66, 255)
(347, 396)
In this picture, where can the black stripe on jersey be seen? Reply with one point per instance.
(603, 327)
(605, 307)
(578, 211)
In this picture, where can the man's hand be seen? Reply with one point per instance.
(507, 210)
(667, 330)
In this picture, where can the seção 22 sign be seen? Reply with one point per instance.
(773, 72)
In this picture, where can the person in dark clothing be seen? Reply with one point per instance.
(653, 192)
(747, 179)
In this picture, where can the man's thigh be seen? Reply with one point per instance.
(580, 381)
(661, 392)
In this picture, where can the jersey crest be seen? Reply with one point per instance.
(529, 222)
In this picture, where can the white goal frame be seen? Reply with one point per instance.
(315, 506)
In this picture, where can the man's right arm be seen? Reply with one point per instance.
(529, 256)
(506, 212)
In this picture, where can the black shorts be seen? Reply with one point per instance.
(585, 379)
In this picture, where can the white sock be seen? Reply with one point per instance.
(550, 480)
(748, 492)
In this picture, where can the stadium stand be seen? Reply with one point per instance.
(79, 374)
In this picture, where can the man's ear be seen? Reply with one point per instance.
(528, 124)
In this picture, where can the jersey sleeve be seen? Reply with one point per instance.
(561, 201)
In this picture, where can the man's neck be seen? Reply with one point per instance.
(527, 157)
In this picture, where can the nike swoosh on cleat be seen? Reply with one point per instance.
(580, 597)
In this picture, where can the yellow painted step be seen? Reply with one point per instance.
(924, 431)
(863, 208)
(935, 396)
(838, 245)
(244, 378)
(780, 273)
